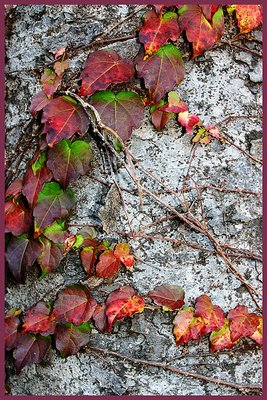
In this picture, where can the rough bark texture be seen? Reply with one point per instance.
(224, 81)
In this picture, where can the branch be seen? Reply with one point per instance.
(244, 389)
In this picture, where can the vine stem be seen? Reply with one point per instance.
(245, 389)
(190, 220)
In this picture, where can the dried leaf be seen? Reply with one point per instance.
(122, 303)
(213, 316)
(70, 338)
(74, 304)
(69, 160)
(37, 320)
(242, 323)
(60, 67)
(158, 29)
(53, 203)
(171, 297)
(30, 350)
(122, 112)
(62, 118)
(108, 265)
(102, 68)
(11, 328)
(162, 71)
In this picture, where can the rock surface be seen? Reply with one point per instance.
(224, 81)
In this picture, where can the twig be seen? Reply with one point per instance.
(240, 148)
(149, 363)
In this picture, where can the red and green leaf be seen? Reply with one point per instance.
(122, 253)
(122, 303)
(37, 320)
(242, 323)
(88, 258)
(30, 349)
(187, 326)
(74, 304)
(69, 160)
(170, 297)
(100, 318)
(50, 82)
(34, 179)
(162, 71)
(212, 315)
(21, 252)
(189, 121)
(12, 323)
(39, 101)
(62, 118)
(158, 29)
(221, 339)
(51, 256)
(102, 68)
(70, 338)
(18, 219)
(56, 232)
(52, 204)
(122, 112)
(108, 265)
(202, 33)
(159, 117)
(175, 104)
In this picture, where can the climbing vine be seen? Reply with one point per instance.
(38, 206)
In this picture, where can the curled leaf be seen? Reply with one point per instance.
(122, 253)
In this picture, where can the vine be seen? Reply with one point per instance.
(38, 206)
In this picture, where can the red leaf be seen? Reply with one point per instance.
(171, 297)
(122, 112)
(122, 252)
(51, 256)
(158, 29)
(70, 338)
(34, 179)
(242, 323)
(11, 328)
(209, 10)
(69, 160)
(159, 117)
(50, 82)
(249, 16)
(108, 265)
(221, 340)
(88, 258)
(21, 252)
(30, 350)
(39, 101)
(18, 220)
(100, 318)
(14, 189)
(175, 104)
(162, 71)
(186, 326)
(52, 204)
(213, 316)
(74, 304)
(102, 68)
(37, 320)
(62, 118)
(258, 334)
(199, 30)
(121, 304)
(189, 121)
